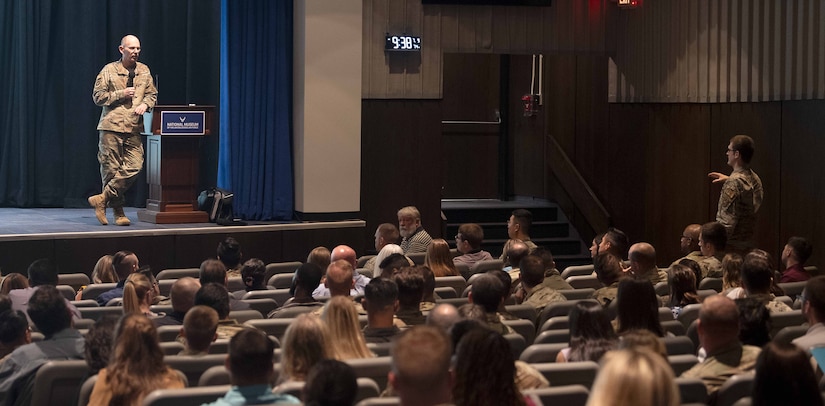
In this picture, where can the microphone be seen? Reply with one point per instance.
(131, 81)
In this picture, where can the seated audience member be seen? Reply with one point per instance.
(14, 332)
(643, 263)
(381, 303)
(320, 257)
(42, 272)
(200, 329)
(428, 297)
(468, 242)
(182, 296)
(713, 238)
(487, 293)
(478, 352)
(386, 251)
(253, 273)
(794, 256)
(532, 291)
(251, 372)
(505, 293)
(390, 265)
(124, 263)
(330, 383)
(718, 330)
(415, 238)
(516, 251)
(443, 316)
(346, 254)
(689, 243)
(615, 242)
(104, 271)
(305, 343)
(230, 254)
(634, 378)
(754, 322)
(608, 268)
(643, 339)
(638, 307)
(552, 277)
(440, 260)
(732, 276)
(757, 277)
(345, 338)
(813, 309)
(420, 368)
(682, 289)
(13, 281)
(784, 377)
(695, 267)
(307, 278)
(138, 293)
(591, 334)
(214, 271)
(338, 282)
(518, 228)
(216, 297)
(410, 284)
(136, 367)
(49, 313)
(594, 245)
(99, 343)
(385, 234)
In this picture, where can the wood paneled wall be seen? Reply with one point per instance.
(568, 26)
(709, 51)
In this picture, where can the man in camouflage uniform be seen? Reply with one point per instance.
(713, 239)
(125, 90)
(532, 291)
(642, 257)
(741, 194)
(718, 329)
(689, 244)
(608, 268)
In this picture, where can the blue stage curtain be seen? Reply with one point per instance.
(255, 158)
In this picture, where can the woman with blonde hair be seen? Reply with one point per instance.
(103, 271)
(138, 294)
(346, 339)
(439, 259)
(136, 367)
(304, 344)
(13, 281)
(634, 377)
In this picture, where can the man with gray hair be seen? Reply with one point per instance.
(416, 239)
(643, 263)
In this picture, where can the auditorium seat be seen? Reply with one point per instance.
(584, 281)
(365, 272)
(177, 273)
(692, 390)
(242, 316)
(786, 319)
(417, 257)
(95, 313)
(568, 395)
(445, 292)
(682, 362)
(523, 327)
(380, 349)
(216, 375)
(293, 312)
(559, 309)
(273, 327)
(85, 303)
(168, 333)
(665, 314)
(678, 345)
(578, 294)
(57, 381)
(86, 390)
(706, 293)
(569, 373)
(661, 289)
(674, 327)
(387, 401)
(788, 334)
(456, 282)
(689, 314)
(553, 336)
(165, 286)
(455, 302)
(373, 368)
(75, 280)
(281, 280)
(735, 388)
(235, 284)
(577, 270)
(263, 305)
(463, 270)
(522, 311)
(280, 296)
(186, 396)
(793, 289)
(67, 291)
(194, 367)
(362, 260)
(711, 283)
(171, 347)
(486, 265)
(281, 267)
(166, 309)
(517, 344)
(538, 353)
(555, 323)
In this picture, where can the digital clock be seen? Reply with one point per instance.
(402, 43)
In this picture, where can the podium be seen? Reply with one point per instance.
(172, 160)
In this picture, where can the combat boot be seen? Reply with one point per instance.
(120, 216)
(98, 202)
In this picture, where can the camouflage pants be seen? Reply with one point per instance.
(121, 159)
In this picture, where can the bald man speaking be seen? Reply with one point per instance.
(125, 90)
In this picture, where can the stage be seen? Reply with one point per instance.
(75, 240)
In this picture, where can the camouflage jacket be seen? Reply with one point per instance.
(740, 200)
(118, 114)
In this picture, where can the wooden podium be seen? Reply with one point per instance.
(172, 160)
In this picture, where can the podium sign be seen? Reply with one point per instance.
(182, 122)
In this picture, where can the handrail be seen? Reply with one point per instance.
(574, 184)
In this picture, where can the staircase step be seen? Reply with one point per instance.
(496, 214)
(541, 229)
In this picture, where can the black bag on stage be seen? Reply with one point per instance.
(218, 204)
